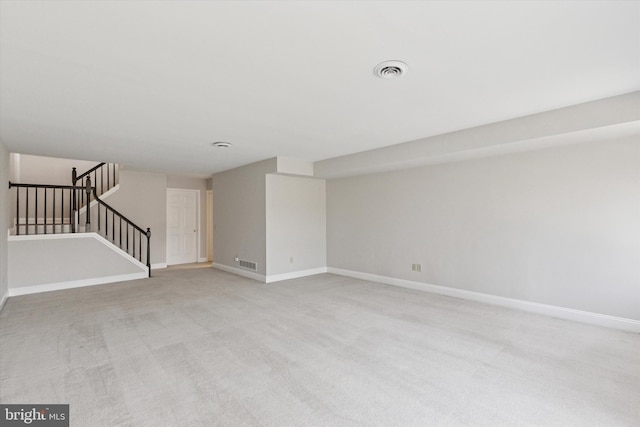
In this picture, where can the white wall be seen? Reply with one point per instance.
(4, 222)
(558, 226)
(296, 224)
(189, 183)
(239, 214)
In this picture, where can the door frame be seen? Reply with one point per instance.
(209, 225)
(198, 195)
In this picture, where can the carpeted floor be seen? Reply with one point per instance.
(201, 347)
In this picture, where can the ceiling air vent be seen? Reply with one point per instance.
(249, 265)
(390, 69)
(221, 144)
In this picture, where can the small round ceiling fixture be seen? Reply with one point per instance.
(390, 69)
(221, 144)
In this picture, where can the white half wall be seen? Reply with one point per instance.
(43, 263)
(296, 225)
(557, 226)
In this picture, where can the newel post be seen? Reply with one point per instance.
(88, 205)
(149, 250)
(74, 206)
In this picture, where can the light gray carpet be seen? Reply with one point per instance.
(200, 347)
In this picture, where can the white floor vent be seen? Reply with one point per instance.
(249, 265)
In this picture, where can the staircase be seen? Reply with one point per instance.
(42, 209)
(104, 176)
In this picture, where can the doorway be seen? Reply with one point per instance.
(210, 225)
(182, 226)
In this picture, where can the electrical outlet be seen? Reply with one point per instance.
(416, 267)
(291, 260)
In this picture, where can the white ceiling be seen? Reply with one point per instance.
(153, 84)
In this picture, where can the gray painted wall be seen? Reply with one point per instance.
(558, 226)
(142, 198)
(239, 214)
(296, 224)
(50, 170)
(4, 221)
(64, 259)
(174, 181)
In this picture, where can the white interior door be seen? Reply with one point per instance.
(182, 226)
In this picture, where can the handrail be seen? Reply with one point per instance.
(106, 205)
(99, 165)
(104, 177)
(41, 223)
(123, 244)
(46, 210)
(65, 187)
(100, 187)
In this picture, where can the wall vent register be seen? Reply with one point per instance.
(249, 265)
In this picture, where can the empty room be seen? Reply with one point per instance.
(319, 213)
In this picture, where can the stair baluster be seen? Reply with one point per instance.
(81, 183)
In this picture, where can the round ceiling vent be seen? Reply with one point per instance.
(390, 69)
(221, 144)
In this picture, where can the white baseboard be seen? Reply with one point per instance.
(203, 259)
(295, 274)
(3, 302)
(240, 272)
(270, 279)
(158, 265)
(75, 284)
(22, 237)
(598, 319)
